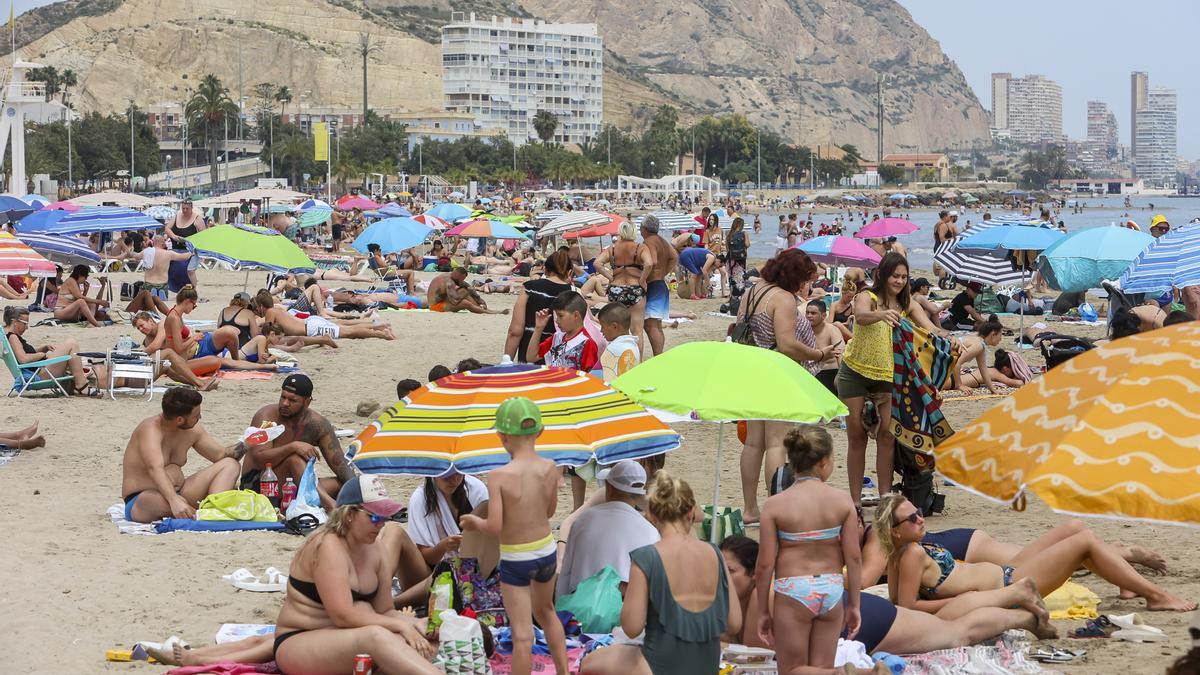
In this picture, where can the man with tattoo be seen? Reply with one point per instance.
(305, 433)
(152, 480)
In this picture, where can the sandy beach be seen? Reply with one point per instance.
(75, 587)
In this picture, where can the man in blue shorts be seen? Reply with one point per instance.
(699, 263)
(658, 296)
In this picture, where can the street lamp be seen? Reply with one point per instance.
(131, 173)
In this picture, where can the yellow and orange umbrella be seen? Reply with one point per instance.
(1112, 432)
(18, 259)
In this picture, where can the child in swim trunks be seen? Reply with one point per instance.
(522, 495)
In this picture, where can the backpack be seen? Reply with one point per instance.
(1057, 348)
(737, 245)
(987, 302)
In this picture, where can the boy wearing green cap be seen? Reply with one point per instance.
(522, 496)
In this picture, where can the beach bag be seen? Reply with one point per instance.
(239, 505)
(595, 602)
(444, 595)
(1057, 348)
(478, 594)
(987, 302)
(728, 523)
(740, 331)
(461, 649)
(308, 500)
(1088, 313)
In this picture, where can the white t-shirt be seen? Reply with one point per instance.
(427, 528)
(603, 535)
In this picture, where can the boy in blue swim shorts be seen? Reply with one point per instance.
(522, 495)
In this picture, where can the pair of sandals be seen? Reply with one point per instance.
(1128, 627)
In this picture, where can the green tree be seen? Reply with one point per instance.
(890, 173)
(208, 112)
(1039, 167)
(48, 76)
(284, 96)
(545, 123)
(928, 175)
(365, 49)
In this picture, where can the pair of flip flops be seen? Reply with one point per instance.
(1056, 655)
(1128, 627)
(272, 580)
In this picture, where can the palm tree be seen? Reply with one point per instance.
(209, 111)
(365, 49)
(295, 149)
(67, 79)
(545, 123)
(284, 96)
(343, 170)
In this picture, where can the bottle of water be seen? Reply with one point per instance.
(125, 344)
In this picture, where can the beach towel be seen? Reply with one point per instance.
(1005, 656)
(116, 513)
(1073, 601)
(235, 632)
(922, 363)
(8, 454)
(188, 525)
(245, 375)
(227, 668)
(501, 664)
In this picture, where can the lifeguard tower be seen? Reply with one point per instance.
(19, 94)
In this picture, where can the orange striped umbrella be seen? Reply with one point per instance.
(448, 424)
(18, 259)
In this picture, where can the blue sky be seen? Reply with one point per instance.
(1087, 46)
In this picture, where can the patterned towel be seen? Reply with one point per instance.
(1004, 657)
(922, 365)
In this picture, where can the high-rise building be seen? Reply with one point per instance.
(1000, 100)
(504, 71)
(1102, 126)
(1035, 109)
(1156, 140)
(1139, 82)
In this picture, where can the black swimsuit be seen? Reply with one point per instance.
(309, 590)
(243, 331)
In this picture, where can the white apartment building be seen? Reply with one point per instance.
(1000, 100)
(1102, 126)
(504, 71)
(1157, 146)
(1035, 109)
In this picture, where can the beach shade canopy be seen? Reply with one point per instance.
(88, 220)
(1083, 259)
(983, 266)
(350, 202)
(251, 247)
(392, 235)
(1173, 260)
(575, 220)
(394, 210)
(432, 221)
(66, 251)
(447, 424)
(482, 227)
(449, 212)
(315, 216)
(1028, 236)
(550, 214)
(886, 227)
(1110, 432)
(17, 259)
(672, 220)
(834, 250)
(13, 209)
(127, 200)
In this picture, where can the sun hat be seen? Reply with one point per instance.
(518, 416)
(1159, 219)
(626, 476)
(368, 492)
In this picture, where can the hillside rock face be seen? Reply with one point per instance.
(805, 68)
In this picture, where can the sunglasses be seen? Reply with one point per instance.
(911, 519)
(375, 520)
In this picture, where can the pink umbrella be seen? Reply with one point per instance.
(834, 250)
(886, 227)
(69, 207)
(356, 202)
(432, 221)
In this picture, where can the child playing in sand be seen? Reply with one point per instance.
(622, 352)
(523, 494)
(809, 533)
(570, 346)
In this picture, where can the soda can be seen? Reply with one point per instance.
(363, 664)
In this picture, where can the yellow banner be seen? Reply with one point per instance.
(320, 132)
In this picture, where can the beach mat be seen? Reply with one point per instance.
(1004, 656)
(227, 668)
(188, 525)
(234, 632)
(8, 454)
(116, 513)
(246, 375)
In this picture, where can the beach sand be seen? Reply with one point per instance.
(75, 587)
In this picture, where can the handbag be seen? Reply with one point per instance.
(595, 602)
(740, 331)
(240, 505)
(728, 523)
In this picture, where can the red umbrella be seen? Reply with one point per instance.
(18, 259)
(432, 221)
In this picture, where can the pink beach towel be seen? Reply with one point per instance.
(227, 668)
(502, 663)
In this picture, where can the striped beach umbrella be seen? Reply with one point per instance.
(482, 227)
(986, 267)
(575, 220)
(550, 214)
(1173, 260)
(67, 251)
(87, 220)
(313, 217)
(448, 423)
(17, 259)
(672, 220)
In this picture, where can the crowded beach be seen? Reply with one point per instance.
(247, 437)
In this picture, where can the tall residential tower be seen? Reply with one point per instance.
(1035, 109)
(1156, 137)
(1000, 100)
(1139, 82)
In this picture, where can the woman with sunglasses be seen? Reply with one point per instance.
(925, 576)
(339, 601)
(16, 322)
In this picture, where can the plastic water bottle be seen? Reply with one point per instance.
(268, 485)
(289, 494)
(125, 344)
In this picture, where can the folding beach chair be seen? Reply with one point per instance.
(33, 376)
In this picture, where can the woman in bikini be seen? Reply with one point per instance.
(809, 534)
(626, 265)
(202, 352)
(974, 347)
(925, 576)
(1001, 372)
(714, 239)
(73, 303)
(339, 602)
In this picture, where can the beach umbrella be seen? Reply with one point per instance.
(113, 198)
(949, 195)
(315, 216)
(449, 212)
(899, 195)
(672, 220)
(394, 210)
(18, 259)
(550, 214)
(834, 250)
(251, 247)
(1111, 432)
(976, 265)
(849, 198)
(575, 220)
(1083, 259)
(13, 209)
(482, 227)
(392, 235)
(886, 227)
(485, 200)
(313, 204)
(1173, 260)
(1012, 237)
(720, 195)
(456, 195)
(350, 202)
(432, 221)
(62, 206)
(971, 199)
(161, 212)
(447, 424)
(36, 201)
(605, 230)
(88, 220)
(727, 382)
(1016, 193)
(67, 251)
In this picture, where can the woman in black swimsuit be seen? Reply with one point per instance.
(238, 315)
(627, 265)
(536, 295)
(339, 601)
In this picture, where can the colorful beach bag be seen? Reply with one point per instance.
(729, 523)
(243, 505)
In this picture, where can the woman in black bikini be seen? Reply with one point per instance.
(238, 315)
(339, 601)
(627, 264)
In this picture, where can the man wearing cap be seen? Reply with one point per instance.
(305, 434)
(605, 534)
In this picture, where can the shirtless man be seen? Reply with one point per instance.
(157, 261)
(264, 307)
(449, 292)
(306, 432)
(828, 335)
(943, 230)
(152, 481)
(658, 296)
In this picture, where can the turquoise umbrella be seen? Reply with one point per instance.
(1083, 259)
(392, 235)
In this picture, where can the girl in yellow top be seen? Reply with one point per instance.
(867, 366)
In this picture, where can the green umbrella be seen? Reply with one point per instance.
(315, 217)
(727, 382)
(251, 248)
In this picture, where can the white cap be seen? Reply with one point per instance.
(626, 476)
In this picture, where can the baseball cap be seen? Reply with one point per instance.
(369, 493)
(626, 476)
(518, 416)
(1159, 219)
(299, 384)
(243, 296)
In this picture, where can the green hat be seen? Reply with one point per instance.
(518, 416)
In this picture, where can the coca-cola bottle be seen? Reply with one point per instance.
(289, 493)
(268, 486)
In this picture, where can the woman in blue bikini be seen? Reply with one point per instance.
(809, 533)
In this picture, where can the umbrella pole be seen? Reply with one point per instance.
(1021, 330)
(246, 283)
(716, 482)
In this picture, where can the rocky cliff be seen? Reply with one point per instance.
(805, 68)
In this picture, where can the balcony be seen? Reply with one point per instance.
(25, 92)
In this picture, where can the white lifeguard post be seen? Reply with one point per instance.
(18, 95)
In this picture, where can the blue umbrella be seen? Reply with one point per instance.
(1173, 260)
(394, 210)
(13, 209)
(36, 201)
(450, 212)
(62, 250)
(1016, 193)
(314, 204)
(1081, 260)
(899, 195)
(392, 235)
(485, 200)
(849, 198)
(88, 220)
(734, 193)
(1012, 237)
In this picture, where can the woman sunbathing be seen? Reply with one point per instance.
(1000, 372)
(974, 347)
(73, 303)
